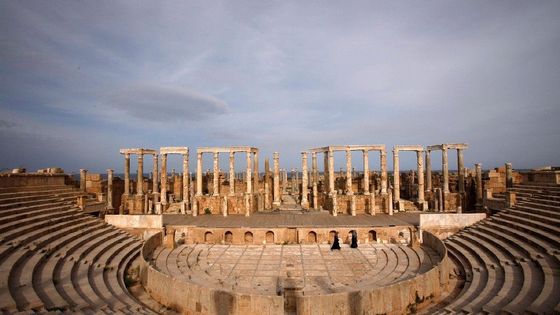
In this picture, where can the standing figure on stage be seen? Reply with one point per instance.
(354, 243)
(335, 244)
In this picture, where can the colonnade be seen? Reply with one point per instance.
(396, 173)
(184, 193)
(140, 152)
(445, 167)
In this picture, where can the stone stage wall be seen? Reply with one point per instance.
(398, 298)
(299, 235)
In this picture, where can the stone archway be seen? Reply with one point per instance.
(311, 237)
(270, 237)
(228, 237)
(372, 236)
(208, 237)
(248, 238)
(332, 234)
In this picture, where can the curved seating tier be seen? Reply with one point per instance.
(511, 261)
(54, 257)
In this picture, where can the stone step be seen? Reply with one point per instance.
(26, 233)
(46, 200)
(545, 199)
(544, 240)
(8, 227)
(38, 196)
(46, 282)
(472, 285)
(548, 297)
(547, 224)
(542, 212)
(494, 275)
(540, 206)
(21, 276)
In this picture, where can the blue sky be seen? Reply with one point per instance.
(79, 80)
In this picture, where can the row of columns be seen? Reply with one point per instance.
(216, 173)
(396, 175)
(445, 170)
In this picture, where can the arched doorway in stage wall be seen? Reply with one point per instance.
(331, 236)
(270, 237)
(208, 237)
(372, 236)
(311, 237)
(228, 237)
(248, 238)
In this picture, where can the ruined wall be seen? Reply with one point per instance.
(32, 179)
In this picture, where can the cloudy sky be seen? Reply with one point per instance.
(79, 80)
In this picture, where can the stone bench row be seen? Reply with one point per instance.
(57, 258)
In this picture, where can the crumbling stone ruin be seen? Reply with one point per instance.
(222, 242)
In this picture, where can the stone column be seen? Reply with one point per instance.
(199, 173)
(155, 179)
(276, 182)
(353, 205)
(420, 166)
(231, 173)
(256, 171)
(383, 162)
(186, 180)
(326, 180)
(445, 169)
(366, 172)
(349, 191)
(334, 205)
(216, 173)
(110, 190)
(509, 176)
(461, 170)
(315, 197)
(249, 188)
(331, 173)
(314, 170)
(304, 181)
(83, 175)
(372, 202)
(428, 171)
(396, 177)
(140, 175)
(478, 171)
(127, 173)
(164, 179)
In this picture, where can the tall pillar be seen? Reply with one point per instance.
(461, 170)
(231, 173)
(349, 191)
(314, 170)
(304, 181)
(396, 177)
(186, 180)
(83, 175)
(331, 172)
(276, 183)
(509, 176)
(249, 188)
(383, 162)
(366, 172)
(164, 179)
(127, 173)
(428, 171)
(140, 175)
(256, 171)
(199, 173)
(110, 190)
(216, 181)
(445, 170)
(478, 171)
(155, 179)
(326, 181)
(420, 166)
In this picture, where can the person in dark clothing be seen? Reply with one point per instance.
(335, 244)
(354, 243)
